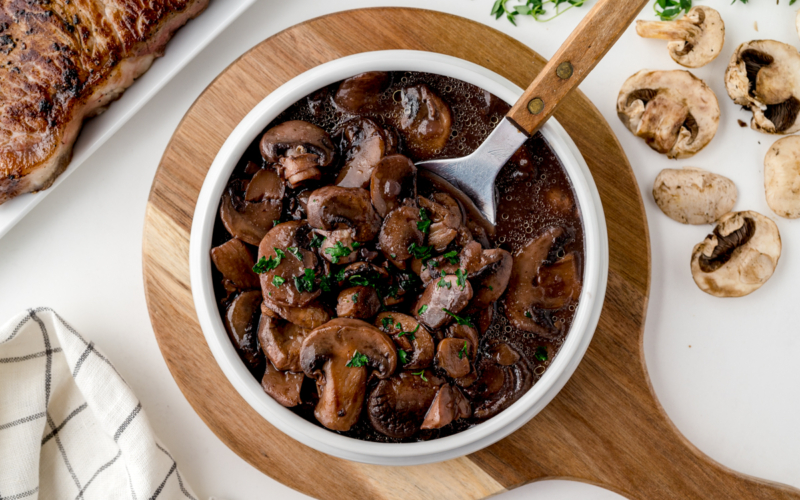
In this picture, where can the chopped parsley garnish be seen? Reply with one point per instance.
(387, 322)
(316, 240)
(357, 361)
(403, 356)
(490, 287)
(443, 282)
(356, 245)
(275, 222)
(528, 314)
(338, 251)
(451, 256)
(278, 281)
(421, 374)
(393, 255)
(423, 309)
(340, 275)
(420, 252)
(305, 283)
(325, 283)
(433, 263)
(410, 335)
(541, 353)
(279, 253)
(355, 297)
(460, 320)
(462, 279)
(424, 224)
(463, 351)
(296, 252)
(265, 265)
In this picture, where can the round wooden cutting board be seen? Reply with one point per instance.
(605, 427)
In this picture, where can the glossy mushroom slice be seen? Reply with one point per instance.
(334, 207)
(522, 289)
(235, 262)
(738, 257)
(397, 406)
(246, 220)
(284, 387)
(300, 149)
(782, 177)
(359, 302)
(441, 301)
(281, 342)
(693, 195)
(287, 262)
(559, 284)
(393, 181)
(410, 337)
(310, 316)
(452, 356)
(446, 218)
(499, 386)
(696, 39)
(365, 143)
(241, 322)
(763, 75)
(426, 121)
(361, 91)
(675, 113)
(400, 234)
(448, 406)
(490, 277)
(339, 355)
(468, 333)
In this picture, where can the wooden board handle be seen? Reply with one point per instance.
(579, 54)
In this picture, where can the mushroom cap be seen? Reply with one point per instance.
(448, 405)
(310, 316)
(426, 121)
(325, 354)
(292, 234)
(693, 196)
(764, 75)
(334, 207)
(452, 356)
(281, 342)
(286, 138)
(360, 91)
(441, 294)
(241, 322)
(360, 302)
(418, 344)
(393, 181)
(675, 112)
(398, 232)
(235, 262)
(782, 177)
(397, 406)
(695, 40)
(246, 220)
(499, 386)
(283, 387)
(364, 143)
(490, 278)
(738, 257)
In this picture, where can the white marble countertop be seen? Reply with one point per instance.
(725, 370)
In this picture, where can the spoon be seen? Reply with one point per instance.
(475, 174)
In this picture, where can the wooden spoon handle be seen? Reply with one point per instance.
(579, 54)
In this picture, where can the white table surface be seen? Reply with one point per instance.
(725, 370)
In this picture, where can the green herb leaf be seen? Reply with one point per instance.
(443, 282)
(541, 353)
(402, 356)
(265, 265)
(355, 297)
(305, 283)
(420, 252)
(421, 374)
(528, 314)
(338, 251)
(424, 224)
(275, 222)
(462, 278)
(423, 309)
(460, 320)
(357, 361)
(533, 8)
(278, 281)
(325, 283)
(451, 256)
(279, 253)
(410, 335)
(387, 322)
(316, 240)
(463, 351)
(296, 252)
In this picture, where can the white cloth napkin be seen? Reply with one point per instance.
(70, 427)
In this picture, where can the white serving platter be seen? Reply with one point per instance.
(183, 47)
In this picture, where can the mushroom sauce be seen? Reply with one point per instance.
(378, 307)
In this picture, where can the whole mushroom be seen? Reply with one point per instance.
(738, 257)
(764, 76)
(334, 207)
(393, 181)
(300, 149)
(693, 195)
(248, 213)
(364, 144)
(339, 355)
(361, 91)
(286, 247)
(426, 121)
(695, 40)
(782, 177)
(675, 112)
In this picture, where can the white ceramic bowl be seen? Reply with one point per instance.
(471, 440)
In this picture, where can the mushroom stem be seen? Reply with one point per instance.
(668, 30)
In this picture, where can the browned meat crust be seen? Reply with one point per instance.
(62, 61)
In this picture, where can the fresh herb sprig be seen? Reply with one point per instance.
(358, 360)
(540, 10)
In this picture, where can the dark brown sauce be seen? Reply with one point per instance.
(532, 186)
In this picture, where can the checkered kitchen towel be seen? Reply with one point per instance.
(70, 427)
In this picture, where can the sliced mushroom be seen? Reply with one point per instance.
(499, 386)
(676, 113)
(446, 218)
(241, 322)
(738, 257)
(266, 184)
(363, 273)
(484, 319)
(448, 406)
(410, 336)
(503, 354)
(235, 262)
(397, 406)
(426, 121)
(310, 316)
(334, 207)
(365, 143)
(468, 333)
(245, 220)
(281, 342)
(393, 181)
(491, 277)
(764, 75)
(452, 356)
(693, 195)
(782, 177)
(696, 39)
(325, 356)
(522, 291)
(360, 302)
(558, 285)
(284, 387)
(299, 148)
(398, 233)
(278, 284)
(441, 299)
(361, 91)
(339, 246)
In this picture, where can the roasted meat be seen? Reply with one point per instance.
(62, 61)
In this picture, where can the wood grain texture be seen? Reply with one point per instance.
(597, 32)
(605, 427)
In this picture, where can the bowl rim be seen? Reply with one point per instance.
(534, 400)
